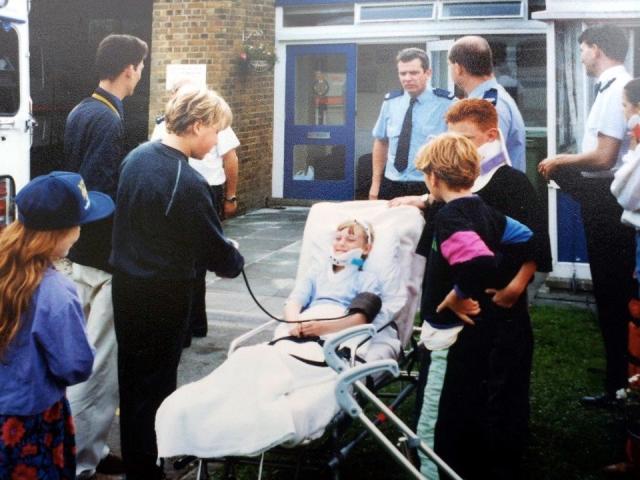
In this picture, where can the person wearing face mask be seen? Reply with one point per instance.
(510, 192)
(626, 181)
(165, 227)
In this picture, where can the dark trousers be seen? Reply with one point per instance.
(390, 189)
(485, 402)
(150, 318)
(610, 246)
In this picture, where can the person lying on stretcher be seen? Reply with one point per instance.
(338, 287)
(281, 392)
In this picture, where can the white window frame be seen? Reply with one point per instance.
(440, 46)
(441, 15)
(360, 6)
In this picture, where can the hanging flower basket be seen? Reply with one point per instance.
(257, 58)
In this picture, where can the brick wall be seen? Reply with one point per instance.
(211, 32)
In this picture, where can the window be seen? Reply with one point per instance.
(389, 12)
(9, 73)
(335, 14)
(479, 9)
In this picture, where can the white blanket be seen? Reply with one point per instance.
(259, 397)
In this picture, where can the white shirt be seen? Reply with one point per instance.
(606, 116)
(210, 167)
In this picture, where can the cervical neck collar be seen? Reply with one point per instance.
(352, 257)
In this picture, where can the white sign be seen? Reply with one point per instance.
(196, 73)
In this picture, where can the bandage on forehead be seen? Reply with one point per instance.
(362, 224)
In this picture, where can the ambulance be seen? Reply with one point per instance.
(16, 120)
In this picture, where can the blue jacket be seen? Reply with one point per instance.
(50, 351)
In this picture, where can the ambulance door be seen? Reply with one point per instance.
(16, 124)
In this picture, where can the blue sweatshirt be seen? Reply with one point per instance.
(165, 224)
(50, 351)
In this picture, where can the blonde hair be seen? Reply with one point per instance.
(452, 158)
(358, 227)
(191, 104)
(25, 255)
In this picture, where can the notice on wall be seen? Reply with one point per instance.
(196, 73)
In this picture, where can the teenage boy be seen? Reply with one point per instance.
(94, 146)
(510, 192)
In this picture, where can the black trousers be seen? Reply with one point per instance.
(390, 189)
(151, 322)
(610, 246)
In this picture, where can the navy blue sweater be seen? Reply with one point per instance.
(94, 147)
(165, 223)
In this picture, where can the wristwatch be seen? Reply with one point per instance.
(233, 199)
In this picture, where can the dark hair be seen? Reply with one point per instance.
(632, 91)
(410, 54)
(117, 52)
(474, 54)
(609, 38)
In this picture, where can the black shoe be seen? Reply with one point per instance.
(602, 400)
(111, 465)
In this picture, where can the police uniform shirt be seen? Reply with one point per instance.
(427, 119)
(510, 121)
(606, 116)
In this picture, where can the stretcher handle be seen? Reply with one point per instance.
(331, 345)
(347, 378)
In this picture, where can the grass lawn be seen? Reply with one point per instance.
(567, 440)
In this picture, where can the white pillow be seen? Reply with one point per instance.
(392, 258)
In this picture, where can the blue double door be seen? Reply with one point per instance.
(320, 122)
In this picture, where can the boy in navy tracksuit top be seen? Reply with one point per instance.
(467, 244)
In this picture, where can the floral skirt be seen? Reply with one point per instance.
(40, 446)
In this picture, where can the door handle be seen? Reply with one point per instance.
(319, 135)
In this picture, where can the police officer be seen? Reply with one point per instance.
(407, 119)
(471, 68)
(587, 176)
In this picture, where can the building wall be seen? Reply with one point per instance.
(211, 32)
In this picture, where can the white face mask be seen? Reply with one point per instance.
(489, 149)
(352, 257)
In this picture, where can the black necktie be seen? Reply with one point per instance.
(596, 88)
(402, 151)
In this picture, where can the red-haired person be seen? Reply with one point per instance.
(43, 342)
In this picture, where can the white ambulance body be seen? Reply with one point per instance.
(16, 121)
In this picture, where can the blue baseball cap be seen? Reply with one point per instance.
(60, 200)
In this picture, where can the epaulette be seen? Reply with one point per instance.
(441, 92)
(491, 96)
(393, 94)
(159, 119)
